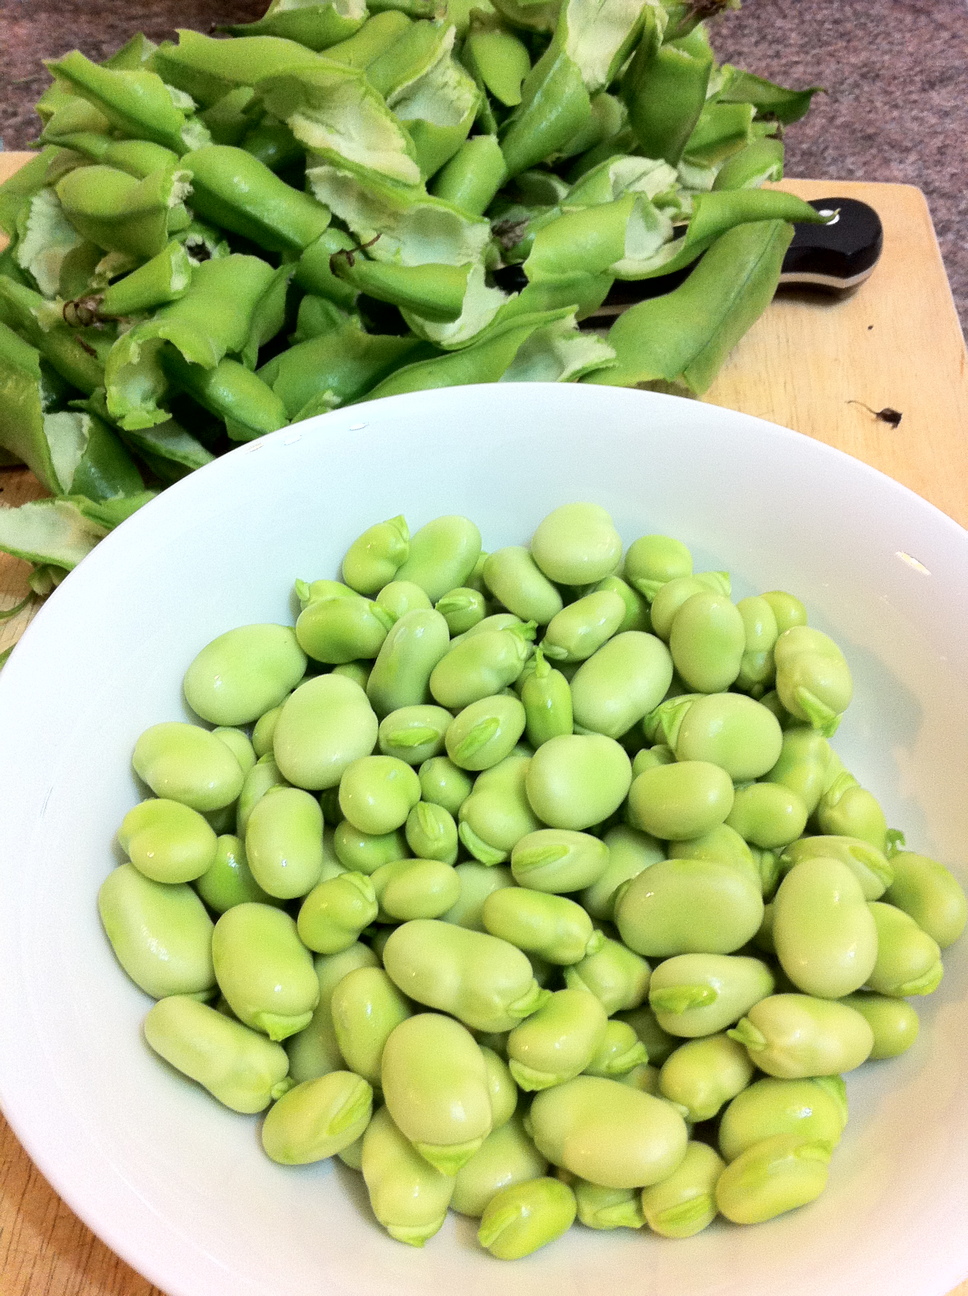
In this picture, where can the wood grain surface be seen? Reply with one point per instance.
(894, 342)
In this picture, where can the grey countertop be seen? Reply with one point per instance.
(895, 75)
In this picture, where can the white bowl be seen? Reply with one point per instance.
(179, 1186)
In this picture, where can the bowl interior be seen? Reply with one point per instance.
(178, 1185)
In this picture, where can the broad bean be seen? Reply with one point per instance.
(814, 1108)
(317, 1118)
(183, 762)
(238, 1066)
(523, 1217)
(575, 781)
(244, 673)
(684, 1203)
(264, 971)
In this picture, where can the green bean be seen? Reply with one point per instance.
(284, 842)
(794, 1036)
(688, 907)
(575, 781)
(693, 995)
(366, 1006)
(335, 911)
(621, 683)
(551, 926)
(375, 557)
(477, 882)
(557, 1042)
(183, 762)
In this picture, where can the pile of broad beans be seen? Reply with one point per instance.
(224, 234)
(528, 884)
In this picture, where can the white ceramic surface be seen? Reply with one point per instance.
(178, 1186)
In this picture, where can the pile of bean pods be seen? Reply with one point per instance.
(529, 884)
(224, 234)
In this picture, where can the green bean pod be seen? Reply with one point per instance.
(264, 971)
(160, 933)
(238, 1066)
(435, 1086)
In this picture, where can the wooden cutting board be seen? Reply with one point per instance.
(810, 363)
